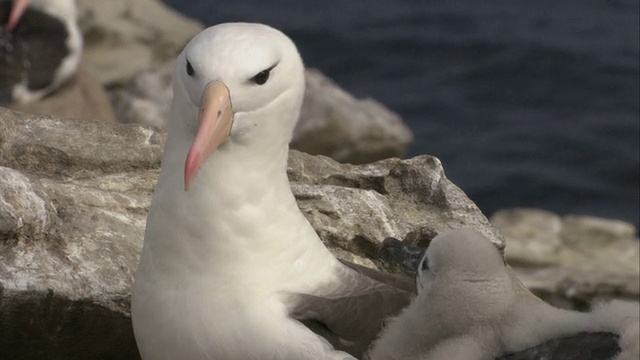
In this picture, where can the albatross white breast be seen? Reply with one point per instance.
(230, 268)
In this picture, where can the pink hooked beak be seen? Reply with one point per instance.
(18, 8)
(216, 119)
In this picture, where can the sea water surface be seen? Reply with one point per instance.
(527, 103)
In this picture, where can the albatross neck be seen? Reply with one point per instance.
(240, 205)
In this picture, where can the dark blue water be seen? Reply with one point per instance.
(527, 103)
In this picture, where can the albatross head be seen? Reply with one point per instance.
(236, 83)
(17, 9)
(458, 256)
(65, 9)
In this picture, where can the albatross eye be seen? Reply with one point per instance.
(190, 70)
(261, 77)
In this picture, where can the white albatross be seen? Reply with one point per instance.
(467, 309)
(230, 267)
(40, 48)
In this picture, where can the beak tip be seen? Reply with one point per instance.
(187, 182)
(191, 167)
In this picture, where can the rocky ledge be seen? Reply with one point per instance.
(574, 260)
(73, 201)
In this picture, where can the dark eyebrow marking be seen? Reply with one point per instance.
(273, 66)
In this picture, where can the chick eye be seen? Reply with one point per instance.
(261, 77)
(425, 264)
(190, 70)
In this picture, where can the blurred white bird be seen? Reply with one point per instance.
(40, 47)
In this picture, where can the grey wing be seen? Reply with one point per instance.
(402, 281)
(350, 312)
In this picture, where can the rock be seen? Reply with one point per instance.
(125, 38)
(335, 124)
(571, 261)
(25, 210)
(355, 207)
(537, 233)
(66, 275)
(73, 201)
(83, 97)
(37, 321)
(593, 233)
(66, 271)
(51, 147)
(332, 122)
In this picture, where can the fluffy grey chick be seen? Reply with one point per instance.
(466, 308)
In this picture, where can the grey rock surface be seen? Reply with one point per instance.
(82, 97)
(25, 210)
(571, 260)
(74, 196)
(74, 199)
(355, 207)
(126, 37)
